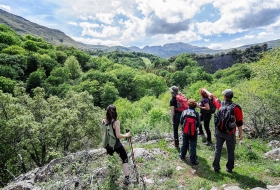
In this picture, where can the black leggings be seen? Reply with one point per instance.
(206, 117)
(121, 151)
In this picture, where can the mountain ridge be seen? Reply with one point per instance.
(57, 37)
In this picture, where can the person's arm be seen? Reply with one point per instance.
(172, 113)
(240, 133)
(205, 107)
(182, 118)
(118, 131)
(239, 120)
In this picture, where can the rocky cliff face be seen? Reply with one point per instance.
(215, 63)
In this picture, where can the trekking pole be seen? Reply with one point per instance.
(132, 156)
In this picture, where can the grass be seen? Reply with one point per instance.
(147, 62)
(251, 168)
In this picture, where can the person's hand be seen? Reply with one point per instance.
(128, 134)
(240, 137)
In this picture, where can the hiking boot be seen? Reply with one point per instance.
(228, 170)
(195, 163)
(200, 133)
(208, 143)
(216, 171)
(126, 181)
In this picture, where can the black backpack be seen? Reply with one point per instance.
(224, 119)
(189, 125)
(212, 106)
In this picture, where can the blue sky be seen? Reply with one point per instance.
(216, 24)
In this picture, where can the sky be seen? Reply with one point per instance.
(216, 24)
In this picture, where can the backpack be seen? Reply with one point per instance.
(212, 106)
(189, 126)
(182, 102)
(224, 119)
(108, 137)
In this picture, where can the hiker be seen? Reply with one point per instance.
(176, 112)
(111, 119)
(225, 130)
(205, 116)
(190, 122)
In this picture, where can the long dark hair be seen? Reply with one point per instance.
(111, 113)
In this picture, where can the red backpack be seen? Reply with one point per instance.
(189, 124)
(182, 102)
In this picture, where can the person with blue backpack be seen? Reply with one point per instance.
(226, 120)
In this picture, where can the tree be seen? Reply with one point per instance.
(184, 60)
(35, 79)
(14, 50)
(74, 67)
(109, 94)
(7, 85)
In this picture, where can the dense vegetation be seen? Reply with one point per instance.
(52, 98)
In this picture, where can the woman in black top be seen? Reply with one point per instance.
(205, 116)
(111, 117)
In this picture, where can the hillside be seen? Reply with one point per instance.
(159, 167)
(24, 27)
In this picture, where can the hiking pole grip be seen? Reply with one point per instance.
(127, 130)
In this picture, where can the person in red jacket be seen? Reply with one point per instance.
(222, 134)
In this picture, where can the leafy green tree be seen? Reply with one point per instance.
(124, 83)
(81, 57)
(183, 60)
(60, 57)
(14, 50)
(178, 78)
(30, 45)
(7, 85)
(35, 79)
(8, 37)
(8, 72)
(74, 67)
(16, 62)
(59, 75)
(101, 77)
(93, 88)
(47, 63)
(109, 94)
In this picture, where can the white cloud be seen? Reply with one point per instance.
(82, 17)
(171, 10)
(107, 31)
(188, 36)
(264, 34)
(88, 25)
(116, 3)
(246, 37)
(206, 40)
(5, 7)
(239, 16)
(106, 18)
(72, 23)
(93, 41)
(215, 46)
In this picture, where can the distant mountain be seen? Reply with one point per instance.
(56, 37)
(172, 49)
(24, 27)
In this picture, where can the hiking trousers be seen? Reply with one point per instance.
(205, 117)
(189, 143)
(230, 140)
(176, 124)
